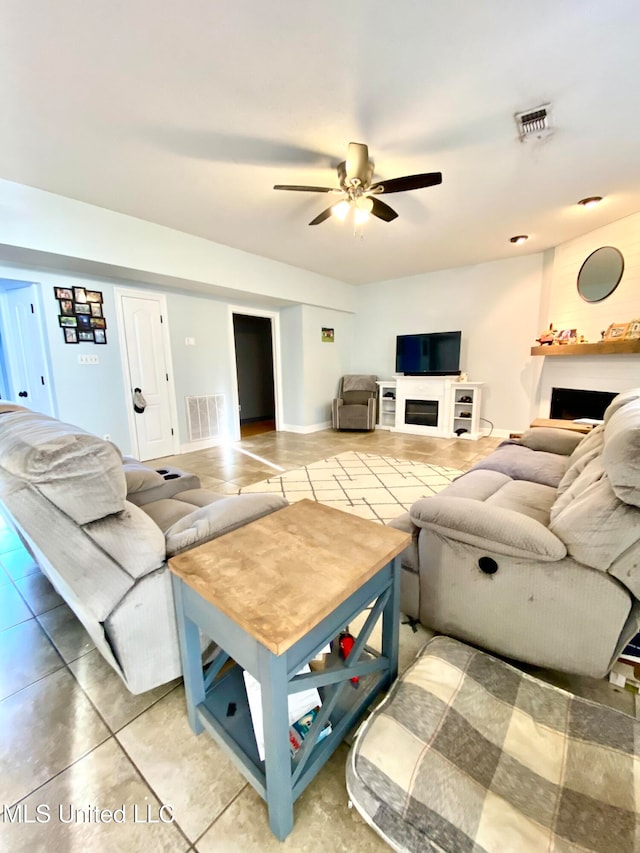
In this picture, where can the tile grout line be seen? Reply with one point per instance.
(217, 818)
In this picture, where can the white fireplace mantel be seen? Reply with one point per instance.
(445, 391)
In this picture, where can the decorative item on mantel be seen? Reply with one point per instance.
(622, 332)
(560, 337)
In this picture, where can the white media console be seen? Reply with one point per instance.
(438, 406)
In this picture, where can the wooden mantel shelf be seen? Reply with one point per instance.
(600, 348)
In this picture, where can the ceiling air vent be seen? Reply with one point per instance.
(535, 123)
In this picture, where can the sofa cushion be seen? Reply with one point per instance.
(621, 454)
(353, 398)
(130, 538)
(594, 524)
(531, 499)
(219, 518)
(522, 463)
(589, 448)
(353, 417)
(77, 471)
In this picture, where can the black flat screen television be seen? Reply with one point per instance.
(429, 354)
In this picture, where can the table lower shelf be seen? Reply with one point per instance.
(225, 714)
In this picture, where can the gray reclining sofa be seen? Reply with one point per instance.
(101, 527)
(535, 552)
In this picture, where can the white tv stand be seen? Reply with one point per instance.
(431, 405)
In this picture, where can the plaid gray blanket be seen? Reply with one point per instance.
(469, 754)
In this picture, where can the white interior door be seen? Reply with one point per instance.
(24, 349)
(148, 370)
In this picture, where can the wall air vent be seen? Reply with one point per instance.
(534, 123)
(205, 416)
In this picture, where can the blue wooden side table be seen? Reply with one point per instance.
(271, 595)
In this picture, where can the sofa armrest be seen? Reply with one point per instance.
(372, 407)
(551, 440)
(219, 518)
(499, 530)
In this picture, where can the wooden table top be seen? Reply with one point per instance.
(558, 423)
(279, 576)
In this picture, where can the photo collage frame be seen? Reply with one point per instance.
(81, 316)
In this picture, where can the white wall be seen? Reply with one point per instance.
(112, 244)
(495, 305)
(90, 396)
(567, 310)
(94, 397)
(324, 363)
(312, 367)
(292, 366)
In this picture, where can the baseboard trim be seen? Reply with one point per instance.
(501, 433)
(305, 429)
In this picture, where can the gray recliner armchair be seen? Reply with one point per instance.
(355, 405)
(535, 552)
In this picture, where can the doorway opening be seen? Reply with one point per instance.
(255, 374)
(25, 375)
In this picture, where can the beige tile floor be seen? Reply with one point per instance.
(71, 736)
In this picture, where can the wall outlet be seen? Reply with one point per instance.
(189, 342)
(88, 359)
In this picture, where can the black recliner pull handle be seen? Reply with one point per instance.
(487, 565)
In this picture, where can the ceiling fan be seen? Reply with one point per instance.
(357, 191)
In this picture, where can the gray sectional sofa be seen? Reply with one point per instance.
(535, 552)
(101, 527)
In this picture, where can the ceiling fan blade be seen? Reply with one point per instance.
(409, 182)
(300, 189)
(382, 210)
(357, 162)
(322, 216)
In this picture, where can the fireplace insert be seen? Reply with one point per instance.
(571, 403)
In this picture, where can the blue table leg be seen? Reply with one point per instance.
(189, 637)
(391, 623)
(275, 712)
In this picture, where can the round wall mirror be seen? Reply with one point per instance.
(600, 274)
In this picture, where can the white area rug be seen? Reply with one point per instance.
(375, 487)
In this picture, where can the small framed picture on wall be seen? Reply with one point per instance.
(70, 336)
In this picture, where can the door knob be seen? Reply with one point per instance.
(22, 394)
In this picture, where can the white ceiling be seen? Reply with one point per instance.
(187, 113)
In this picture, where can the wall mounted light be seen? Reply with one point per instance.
(591, 201)
(519, 238)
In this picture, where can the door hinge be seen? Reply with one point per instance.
(42, 380)
(32, 309)
(167, 376)
(171, 430)
(161, 320)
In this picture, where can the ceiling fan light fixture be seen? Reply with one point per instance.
(360, 216)
(519, 238)
(590, 201)
(340, 210)
(365, 204)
